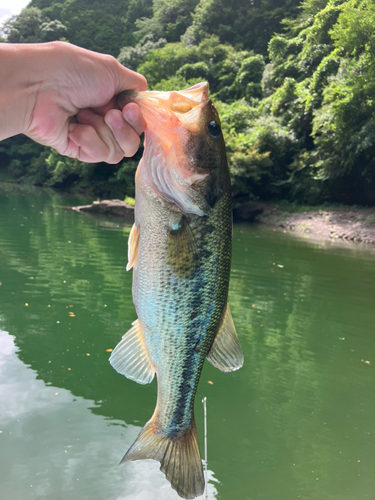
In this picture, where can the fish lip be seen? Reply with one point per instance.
(200, 89)
(196, 90)
(197, 93)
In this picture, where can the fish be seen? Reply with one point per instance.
(180, 251)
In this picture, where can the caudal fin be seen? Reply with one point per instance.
(179, 457)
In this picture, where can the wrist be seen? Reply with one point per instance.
(26, 69)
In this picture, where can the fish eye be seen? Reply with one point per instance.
(214, 129)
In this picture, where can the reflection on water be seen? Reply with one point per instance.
(52, 446)
(297, 421)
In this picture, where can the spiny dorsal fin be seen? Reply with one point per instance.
(181, 254)
(133, 245)
(225, 352)
(179, 457)
(130, 356)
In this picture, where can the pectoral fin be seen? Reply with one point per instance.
(226, 353)
(130, 356)
(181, 254)
(133, 245)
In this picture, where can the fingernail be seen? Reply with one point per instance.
(114, 120)
(131, 113)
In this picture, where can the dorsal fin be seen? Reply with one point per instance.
(130, 356)
(133, 245)
(225, 353)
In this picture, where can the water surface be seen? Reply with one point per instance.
(297, 421)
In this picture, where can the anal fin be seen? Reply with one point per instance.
(130, 356)
(225, 353)
(133, 245)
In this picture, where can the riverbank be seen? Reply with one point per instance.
(345, 223)
(354, 224)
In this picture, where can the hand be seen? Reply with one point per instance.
(68, 102)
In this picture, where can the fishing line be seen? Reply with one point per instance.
(204, 401)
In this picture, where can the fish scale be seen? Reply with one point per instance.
(193, 297)
(180, 251)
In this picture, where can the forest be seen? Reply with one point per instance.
(294, 83)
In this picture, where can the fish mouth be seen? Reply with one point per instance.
(185, 105)
(196, 94)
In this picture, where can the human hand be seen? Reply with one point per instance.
(70, 101)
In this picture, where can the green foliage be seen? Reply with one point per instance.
(163, 63)
(16, 154)
(321, 83)
(246, 25)
(230, 73)
(170, 19)
(135, 10)
(31, 27)
(100, 26)
(260, 150)
(354, 32)
(131, 57)
(25, 161)
(299, 121)
(130, 201)
(53, 30)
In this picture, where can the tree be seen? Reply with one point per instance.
(24, 28)
(170, 19)
(246, 25)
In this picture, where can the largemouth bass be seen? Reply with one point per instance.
(180, 252)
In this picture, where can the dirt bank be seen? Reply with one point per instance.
(111, 208)
(345, 223)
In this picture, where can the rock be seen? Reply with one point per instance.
(247, 212)
(116, 208)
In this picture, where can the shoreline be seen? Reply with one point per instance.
(347, 224)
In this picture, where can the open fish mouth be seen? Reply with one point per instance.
(180, 153)
(196, 94)
(184, 105)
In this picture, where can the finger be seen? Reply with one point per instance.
(115, 152)
(85, 144)
(132, 114)
(126, 137)
(130, 80)
(102, 110)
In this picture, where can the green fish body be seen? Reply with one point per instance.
(180, 251)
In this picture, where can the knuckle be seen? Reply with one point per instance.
(143, 82)
(110, 60)
(115, 158)
(118, 157)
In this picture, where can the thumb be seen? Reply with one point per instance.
(128, 79)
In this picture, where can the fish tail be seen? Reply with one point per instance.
(178, 455)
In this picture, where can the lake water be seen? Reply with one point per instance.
(296, 422)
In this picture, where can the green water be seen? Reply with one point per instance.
(296, 422)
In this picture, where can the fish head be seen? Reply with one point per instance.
(184, 159)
